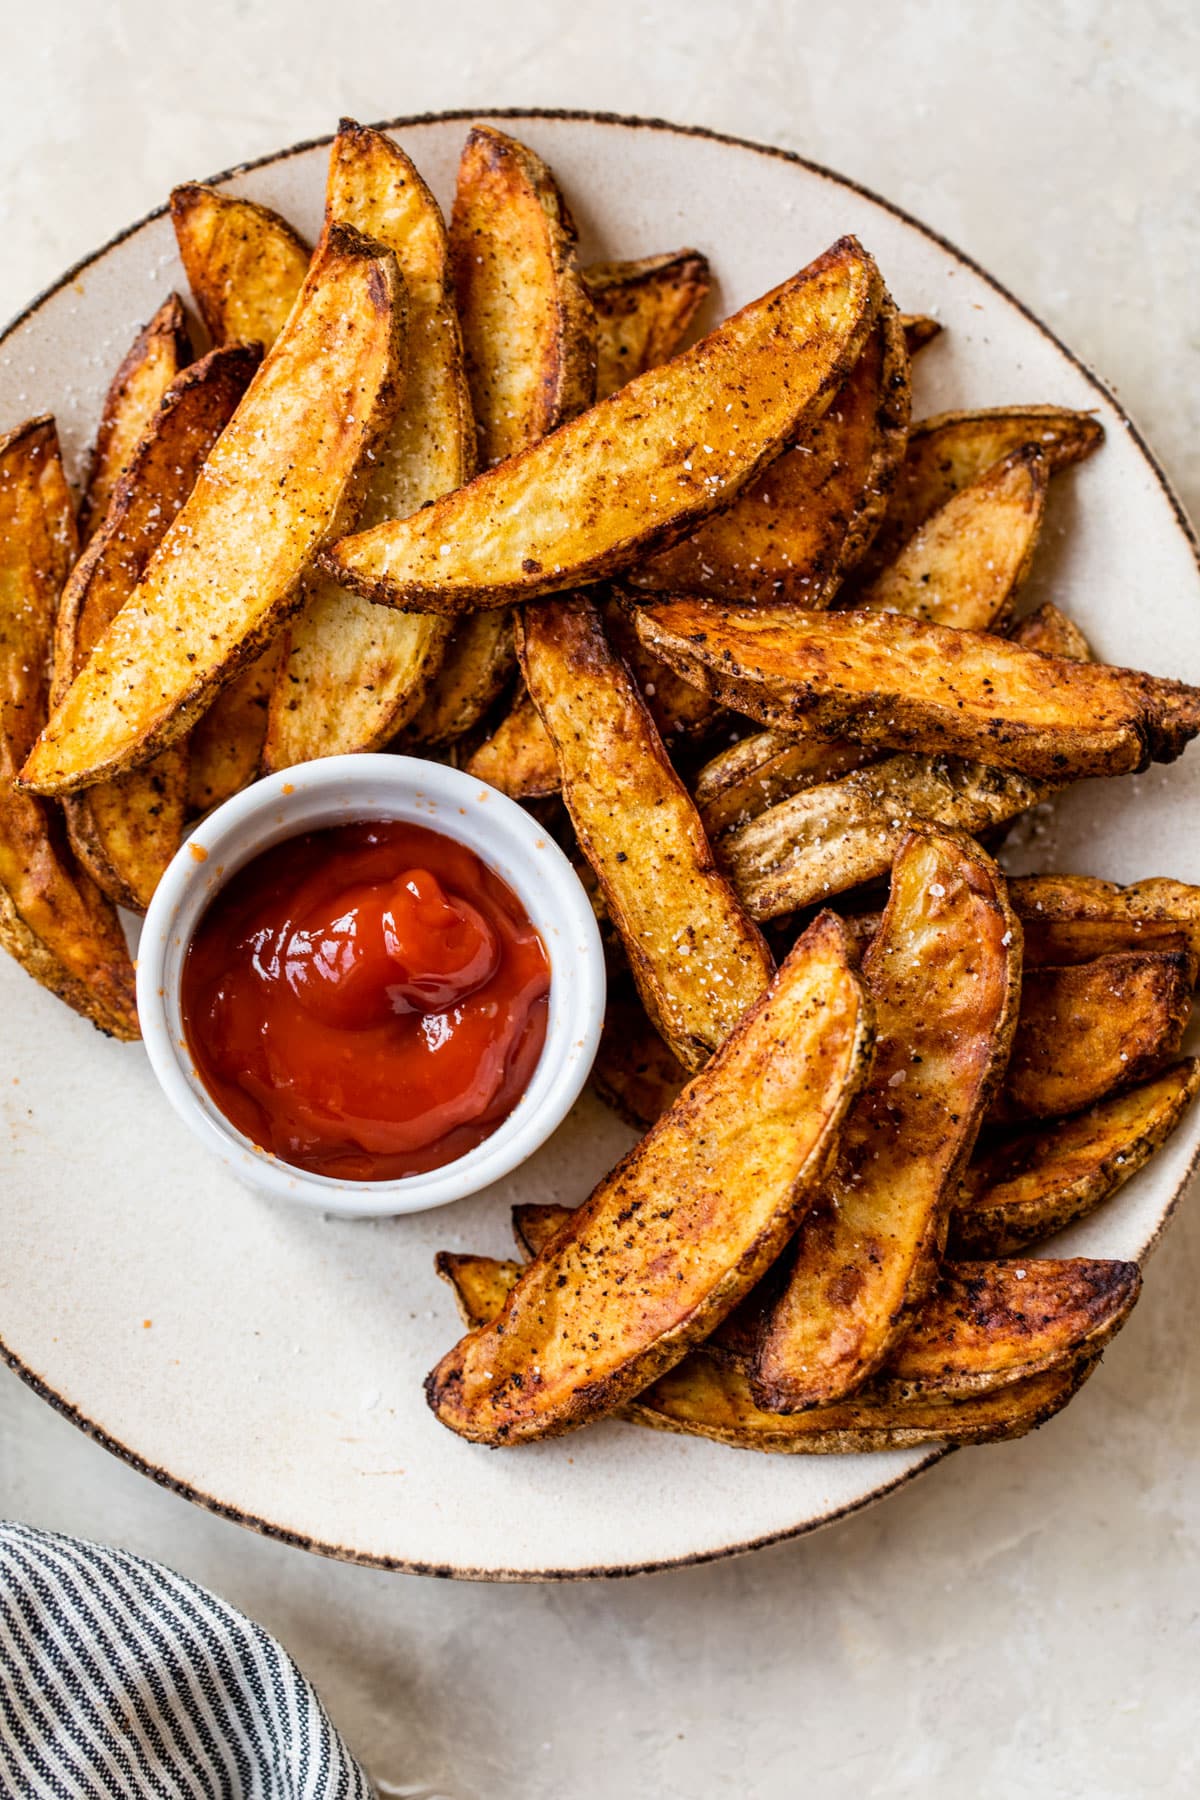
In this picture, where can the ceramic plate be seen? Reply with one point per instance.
(268, 1364)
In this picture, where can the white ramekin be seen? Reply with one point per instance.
(337, 791)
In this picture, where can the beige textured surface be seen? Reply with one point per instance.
(1023, 1620)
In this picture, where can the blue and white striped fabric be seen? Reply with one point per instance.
(119, 1679)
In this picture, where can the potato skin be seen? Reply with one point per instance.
(245, 264)
(684, 1225)
(643, 310)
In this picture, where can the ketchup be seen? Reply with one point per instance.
(366, 1002)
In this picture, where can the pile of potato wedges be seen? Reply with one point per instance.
(749, 641)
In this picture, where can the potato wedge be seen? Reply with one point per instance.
(638, 471)
(698, 961)
(1089, 1029)
(944, 972)
(950, 450)
(1024, 1187)
(245, 265)
(894, 682)
(985, 1324)
(352, 674)
(126, 831)
(686, 1223)
(706, 1396)
(965, 565)
(1051, 633)
(225, 745)
(797, 529)
(529, 332)
(158, 352)
(679, 709)
(919, 330)
(746, 778)
(519, 757)
(841, 833)
(280, 477)
(1065, 910)
(53, 920)
(642, 311)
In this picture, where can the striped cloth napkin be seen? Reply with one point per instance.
(119, 1679)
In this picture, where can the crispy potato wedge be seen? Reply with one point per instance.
(672, 1239)
(1054, 943)
(1073, 910)
(919, 330)
(965, 565)
(245, 265)
(944, 972)
(529, 330)
(518, 758)
(1092, 1028)
(126, 831)
(950, 450)
(53, 920)
(158, 352)
(677, 707)
(746, 778)
(639, 470)
(353, 674)
(280, 477)
(706, 1396)
(643, 310)
(895, 682)
(843, 833)
(807, 519)
(1025, 1186)
(1051, 633)
(698, 961)
(984, 1325)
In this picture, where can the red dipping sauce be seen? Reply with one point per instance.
(366, 1002)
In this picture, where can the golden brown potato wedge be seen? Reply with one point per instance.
(679, 709)
(245, 265)
(746, 778)
(887, 680)
(965, 565)
(1054, 943)
(519, 757)
(672, 1239)
(797, 529)
(53, 920)
(950, 450)
(353, 674)
(984, 1325)
(1094, 1027)
(706, 1396)
(637, 471)
(642, 311)
(944, 972)
(126, 831)
(160, 350)
(529, 331)
(919, 330)
(697, 959)
(1025, 1186)
(842, 833)
(281, 476)
(1066, 910)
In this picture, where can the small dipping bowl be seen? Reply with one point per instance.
(343, 790)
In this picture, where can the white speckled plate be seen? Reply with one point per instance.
(268, 1365)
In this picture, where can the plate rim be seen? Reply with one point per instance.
(613, 1571)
